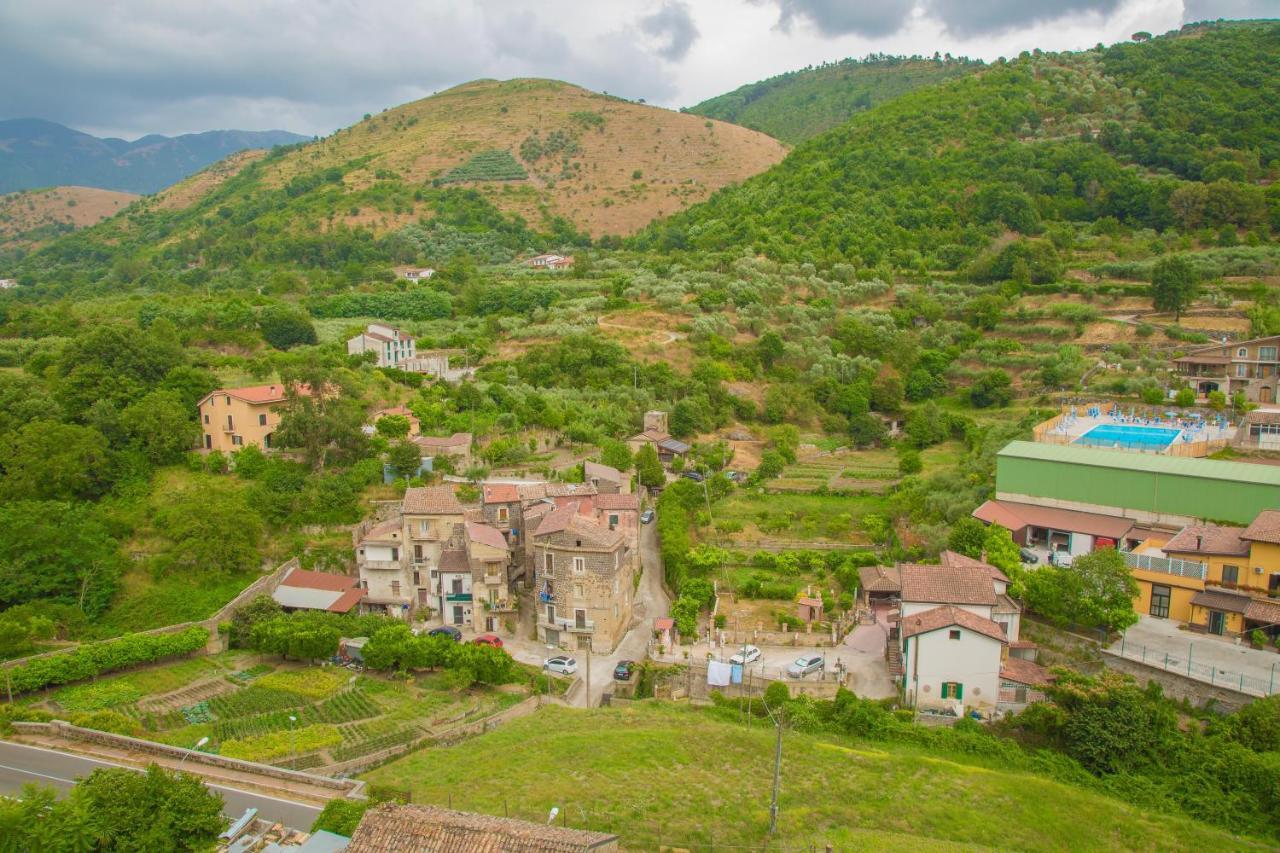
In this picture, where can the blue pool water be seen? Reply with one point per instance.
(1131, 437)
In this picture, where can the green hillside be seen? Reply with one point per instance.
(1176, 133)
(800, 104)
(682, 777)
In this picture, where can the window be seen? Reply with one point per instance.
(237, 440)
(424, 528)
(226, 398)
(208, 441)
(395, 554)
(1242, 371)
(613, 520)
(1266, 353)
(503, 514)
(417, 552)
(549, 563)
(580, 618)
(456, 586)
(579, 565)
(395, 587)
(262, 420)
(1160, 596)
(952, 690)
(1230, 575)
(206, 417)
(1243, 352)
(417, 579)
(577, 591)
(953, 634)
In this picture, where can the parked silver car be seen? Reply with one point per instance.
(749, 654)
(561, 664)
(802, 666)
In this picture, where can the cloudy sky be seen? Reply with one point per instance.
(129, 67)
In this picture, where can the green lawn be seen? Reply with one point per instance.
(796, 516)
(679, 776)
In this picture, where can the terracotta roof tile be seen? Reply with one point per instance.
(595, 470)
(1015, 516)
(347, 600)
(454, 560)
(953, 558)
(319, 580)
(944, 617)
(486, 535)
(501, 493)
(396, 828)
(257, 394)
(1263, 610)
(386, 531)
(947, 584)
(880, 578)
(1025, 672)
(607, 502)
(569, 490)
(458, 439)
(1208, 539)
(431, 500)
(1222, 599)
(1265, 528)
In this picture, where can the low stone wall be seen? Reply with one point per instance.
(66, 731)
(1177, 686)
(693, 685)
(798, 639)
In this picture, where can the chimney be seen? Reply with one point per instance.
(1199, 541)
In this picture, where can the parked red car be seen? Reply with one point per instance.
(488, 640)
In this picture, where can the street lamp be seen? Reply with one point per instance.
(293, 753)
(198, 744)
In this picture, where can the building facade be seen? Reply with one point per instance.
(232, 418)
(392, 346)
(1249, 367)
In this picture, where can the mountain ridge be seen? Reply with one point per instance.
(37, 153)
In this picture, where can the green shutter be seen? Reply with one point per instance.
(946, 689)
(959, 688)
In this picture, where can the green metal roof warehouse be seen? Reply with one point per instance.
(1150, 484)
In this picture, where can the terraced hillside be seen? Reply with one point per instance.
(29, 218)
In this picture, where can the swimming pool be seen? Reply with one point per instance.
(1129, 437)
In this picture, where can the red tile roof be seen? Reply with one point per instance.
(1216, 598)
(595, 470)
(1015, 516)
(945, 617)
(1025, 672)
(501, 493)
(953, 558)
(386, 531)
(947, 584)
(398, 828)
(256, 394)
(880, 578)
(347, 600)
(486, 535)
(458, 439)
(1208, 539)
(454, 560)
(319, 580)
(1263, 610)
(663, 623)
(1265, 528)
(431, 500)
(556, 521)
(608, 502)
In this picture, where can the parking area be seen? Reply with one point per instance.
(1161, 642)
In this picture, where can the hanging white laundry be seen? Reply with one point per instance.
(719, 674)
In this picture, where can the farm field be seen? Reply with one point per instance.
(664, 775)
(273, 712)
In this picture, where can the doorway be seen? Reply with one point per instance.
(1217, 622)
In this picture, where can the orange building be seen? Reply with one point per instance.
(233, 418)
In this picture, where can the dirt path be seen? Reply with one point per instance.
(665, 338)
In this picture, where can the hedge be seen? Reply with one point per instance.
(107, 656)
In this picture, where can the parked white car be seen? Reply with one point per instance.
(749, 654)
(802, 666)
(561, 664)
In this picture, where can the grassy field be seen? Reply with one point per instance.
(798, 517)
(680, 776)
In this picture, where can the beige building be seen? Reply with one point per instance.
(489, 561)
(1251, 366)
(392, 346)
(233, 418)
(583, 577)
(399, 560)
(456, 446)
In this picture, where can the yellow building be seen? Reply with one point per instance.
(233, 418)
(1221, 580)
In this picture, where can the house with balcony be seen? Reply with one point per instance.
(383, 565)
(583, 577)
(1216, 579)
(233, 418)
(390, 346)
(1249, 366)
(489, 559)
(454, 588)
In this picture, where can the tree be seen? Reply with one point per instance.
(115, 365)
(45, 460)
(968, 535)
(57, 552)
(161, 426)
(321, 420)
(211, 529)
(993, 388)
(393, 426)
(405, 458)
(615, 454)
(1001, 551)
(769, 348)
(1096, 590)
(648, 469)
(284, 328)
(909, 461)
(1185, 398)
(926, 426)
(156, 810)
(684, 610)
(771, 465)
(1174, 283)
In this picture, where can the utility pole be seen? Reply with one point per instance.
(777, 775)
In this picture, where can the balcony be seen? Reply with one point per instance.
(382, 565)
(458, 598)
(1165, 565)
(501, 606)
(586, 626)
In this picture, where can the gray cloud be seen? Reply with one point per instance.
(842, 17)
(674, 24)
(137, 66)
(1211, 10)
(975, 17)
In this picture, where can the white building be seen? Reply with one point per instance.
(8, 283)
(393, 347)
(417, 273)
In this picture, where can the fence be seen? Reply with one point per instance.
(755, 679)
(1165, 565)
(1214, 676)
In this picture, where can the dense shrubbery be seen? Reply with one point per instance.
(494, 165)
(108, 656)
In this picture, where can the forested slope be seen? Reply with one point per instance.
(801, 104)
(1180, 132)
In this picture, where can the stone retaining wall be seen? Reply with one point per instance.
(1177, 686)
(66, 731)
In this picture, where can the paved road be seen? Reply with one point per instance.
(1161, 637)
(20, 764)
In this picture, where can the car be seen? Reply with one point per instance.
(646, 516)
(446, 631)
(492, 640)
(802, 666)
(560, 664)
(1028, 556)
(749, 654)
(693, 475)
(1061, 558)
(623, 670)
